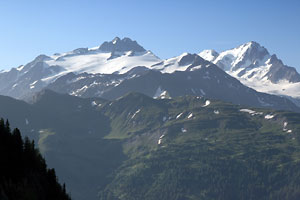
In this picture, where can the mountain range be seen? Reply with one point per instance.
(117, 122)
(122, 65)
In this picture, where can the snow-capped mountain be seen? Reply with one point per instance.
(122, 65)
(255, 67)
(195, 76)
(184, 62)
(117, 56)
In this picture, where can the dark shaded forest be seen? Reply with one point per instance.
(23, 171)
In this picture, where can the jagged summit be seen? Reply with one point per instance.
(252, 61)
(242, 56)
(254, 50)
(255, 67)
(118, 45)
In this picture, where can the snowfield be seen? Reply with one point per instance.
(98, 62)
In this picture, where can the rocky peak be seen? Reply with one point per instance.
(124, 45)
(256, 51)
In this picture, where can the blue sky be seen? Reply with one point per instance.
(168, 27)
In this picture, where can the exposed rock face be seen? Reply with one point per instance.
(118, 45)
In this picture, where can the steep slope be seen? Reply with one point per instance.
(68, 131)
(23, 171)
(255, 67)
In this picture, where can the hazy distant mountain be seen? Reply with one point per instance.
(255, 67)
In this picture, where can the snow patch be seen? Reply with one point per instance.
(196, 67)
(136, 112)
(163, 94)
(160, 139)
(284, 126)
(32, 85)
(190, 116)
(179, 115)
(251, 112)
(94, 103)
(269, 116)
(20, 68)
(79, 91)
(207, 102)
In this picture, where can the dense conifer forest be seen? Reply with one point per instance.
(23, 171)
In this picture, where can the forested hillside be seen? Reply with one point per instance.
(23, 171)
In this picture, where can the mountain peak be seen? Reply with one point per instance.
(255, 48)
(187, 58)
(209, 54)
(116, 40)
(242, 56)
(253, 43)
(126, 44)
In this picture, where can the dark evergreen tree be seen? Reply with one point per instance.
(23, 171)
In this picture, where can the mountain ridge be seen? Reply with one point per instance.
(120, 56)
(255, 67)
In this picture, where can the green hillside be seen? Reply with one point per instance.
(191, 148)
(137, 147)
